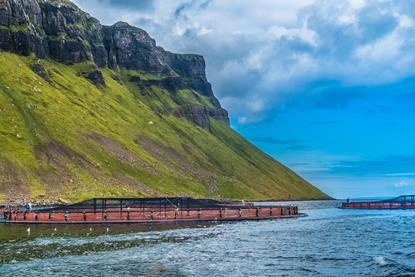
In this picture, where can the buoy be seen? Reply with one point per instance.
(55, 229)
(28, 230)
(90, 229)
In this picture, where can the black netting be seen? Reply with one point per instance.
(401, 199)
(101, 204)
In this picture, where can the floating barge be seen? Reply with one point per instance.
(146, 210)
(398, 203)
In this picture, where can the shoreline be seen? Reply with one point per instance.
(45, 203)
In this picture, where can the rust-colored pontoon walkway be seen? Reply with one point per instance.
(148, 210)
(398, 203)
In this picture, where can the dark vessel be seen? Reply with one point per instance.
(401, 202)
(147, 210)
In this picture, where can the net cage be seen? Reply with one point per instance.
(167, 203)
(400, 199)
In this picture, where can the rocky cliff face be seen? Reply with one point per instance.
(21, 28)
(59, 30)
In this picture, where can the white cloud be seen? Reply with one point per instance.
(275, 48)
(403, 174)
(402, 184)
(256, 105)
(383, 50)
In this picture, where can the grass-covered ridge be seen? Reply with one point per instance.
(68, 138)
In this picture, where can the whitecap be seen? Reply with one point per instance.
(380, 260)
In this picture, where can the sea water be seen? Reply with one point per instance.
(328, 242)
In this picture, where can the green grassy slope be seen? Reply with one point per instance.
(67, 138)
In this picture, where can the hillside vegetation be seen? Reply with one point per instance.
(67, 138)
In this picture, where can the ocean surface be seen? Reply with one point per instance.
(328, 242)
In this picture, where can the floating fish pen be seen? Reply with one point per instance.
(401, 202)
(147, 210)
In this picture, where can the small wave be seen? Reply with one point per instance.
(380, 261)
(389, 267)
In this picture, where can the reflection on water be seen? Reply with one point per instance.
(329, 242)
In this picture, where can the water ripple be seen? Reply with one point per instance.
(329, 242)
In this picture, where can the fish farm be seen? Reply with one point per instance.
(145, 210)
(398, 203)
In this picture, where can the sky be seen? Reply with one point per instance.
(325, 86)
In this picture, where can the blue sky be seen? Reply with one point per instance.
(326, 87)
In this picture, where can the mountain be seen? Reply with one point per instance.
(88, 110)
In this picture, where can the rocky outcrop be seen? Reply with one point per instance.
(59, 30)
(193, 69)
(220, 114)
(54, 29)
(171, 83)
(73, 36)
(200, 115)
(133, 48)
(21, 28)
(94, 76)
(197, 114)
(40, 70)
